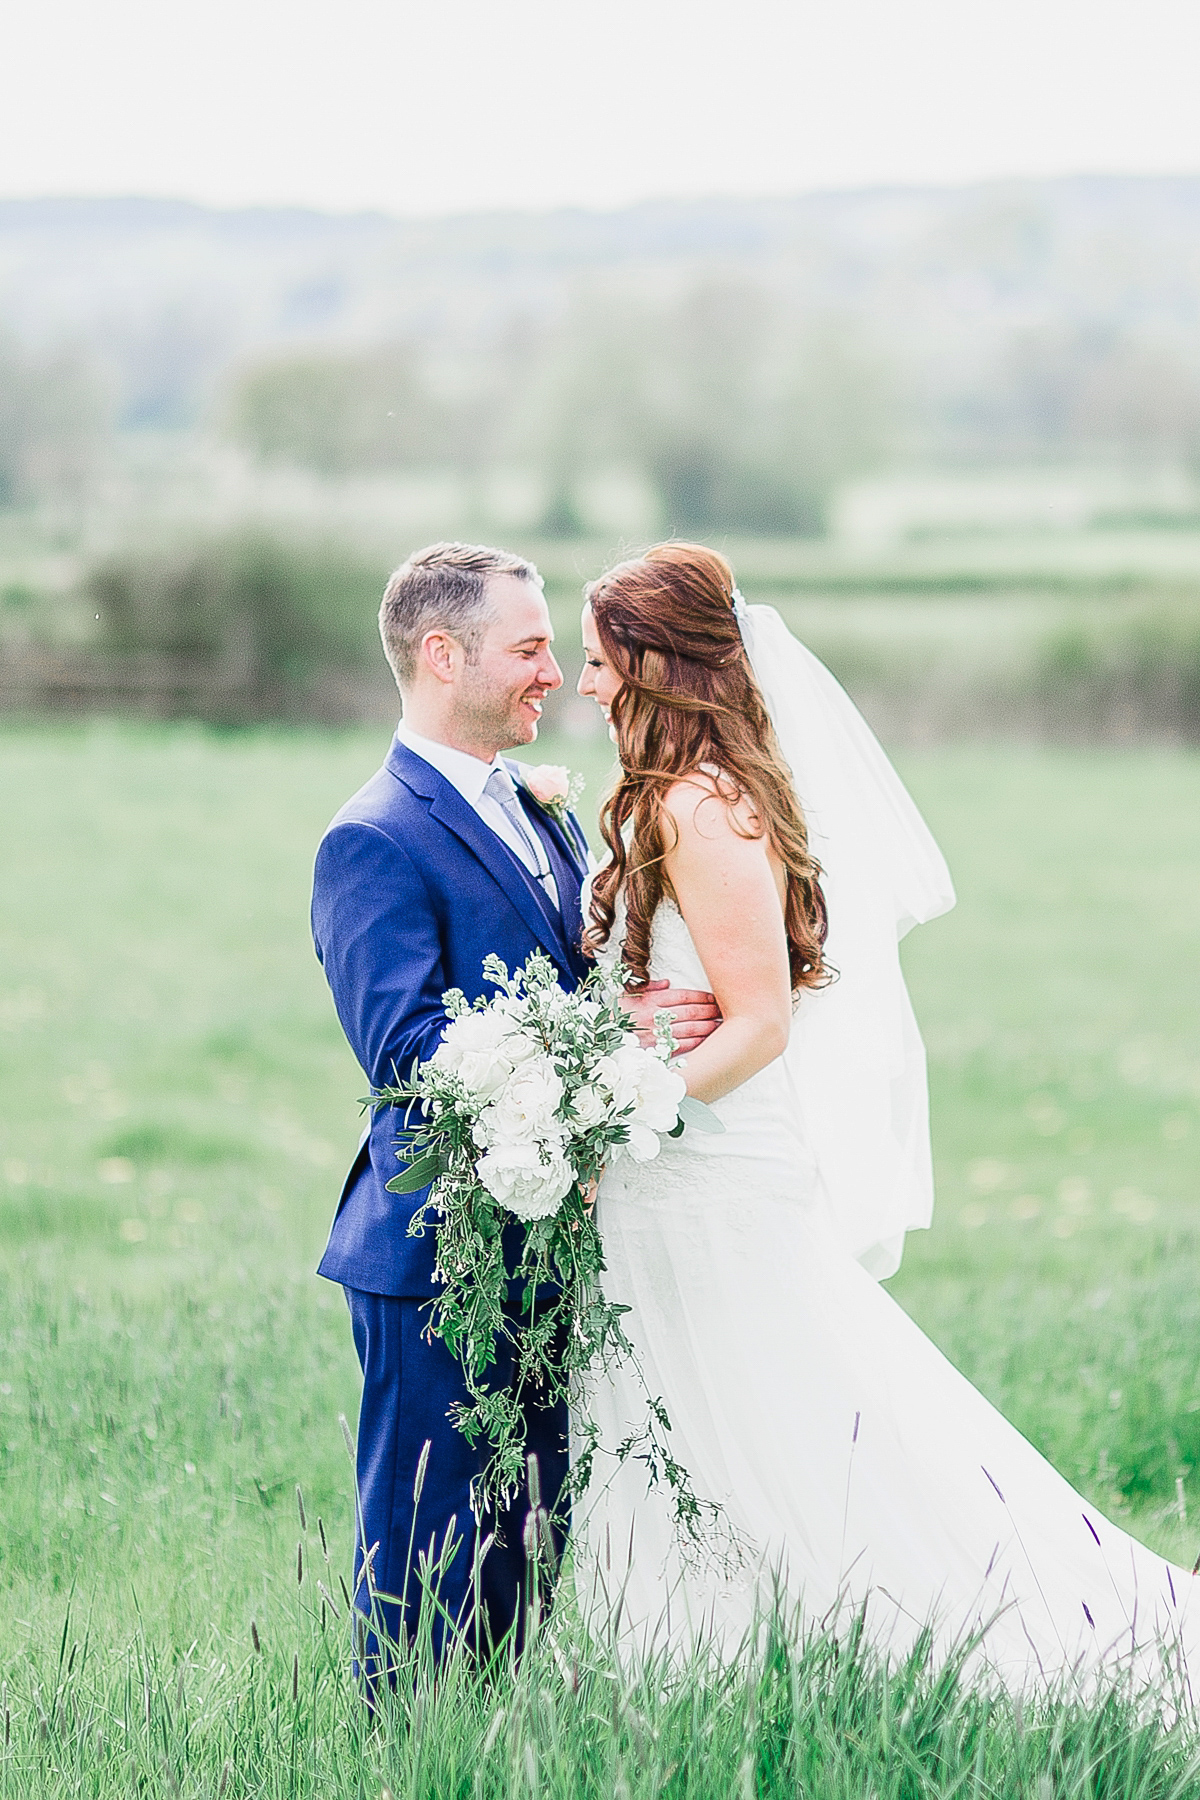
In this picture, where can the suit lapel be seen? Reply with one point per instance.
(566, 875)
(448, 807)
(563, 836)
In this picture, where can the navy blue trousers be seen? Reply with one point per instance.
(409, 1383)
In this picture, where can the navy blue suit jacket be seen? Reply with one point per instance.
(411, 891)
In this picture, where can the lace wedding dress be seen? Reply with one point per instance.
(854, 1463)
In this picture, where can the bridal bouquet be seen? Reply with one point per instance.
(528, 1097)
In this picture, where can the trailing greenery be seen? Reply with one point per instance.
(531, 1093)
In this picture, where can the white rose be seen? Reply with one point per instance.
(526, 1105)
(613, 1073)
(589, 1106)
(529, 1183)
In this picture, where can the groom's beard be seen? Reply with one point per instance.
(497, 719)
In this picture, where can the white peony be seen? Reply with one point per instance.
(525, 1180)
(526, 1106)
(470, 1048)
(482, 1048)
(637, 1078)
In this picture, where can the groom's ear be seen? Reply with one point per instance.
(442, 655)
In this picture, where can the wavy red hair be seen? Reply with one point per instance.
(689, 698)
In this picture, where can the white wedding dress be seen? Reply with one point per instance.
(854, 1463)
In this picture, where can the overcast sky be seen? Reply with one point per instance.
(431, 106)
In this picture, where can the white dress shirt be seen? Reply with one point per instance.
(470, 776)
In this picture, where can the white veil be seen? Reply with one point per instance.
(856, 1059)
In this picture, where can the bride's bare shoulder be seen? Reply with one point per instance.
(707, 805)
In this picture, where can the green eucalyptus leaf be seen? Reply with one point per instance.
(693, 1112)
(419, 1174)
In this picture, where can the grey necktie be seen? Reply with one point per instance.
(499, 788)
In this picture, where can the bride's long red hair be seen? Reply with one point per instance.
(689, 698)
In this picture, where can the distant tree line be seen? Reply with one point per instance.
(733, 406)
(244, 627)
(733, 415)
(275, 629)
(733, 410)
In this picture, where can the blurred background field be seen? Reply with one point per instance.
(953, 434)
(958, 429)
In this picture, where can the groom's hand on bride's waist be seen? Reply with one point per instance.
(694, 1015)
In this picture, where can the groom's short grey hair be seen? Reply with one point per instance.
(443, 587)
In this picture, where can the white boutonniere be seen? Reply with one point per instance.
(555, 788)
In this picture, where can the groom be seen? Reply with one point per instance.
(443, 857)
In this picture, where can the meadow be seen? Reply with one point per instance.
(178, 1106)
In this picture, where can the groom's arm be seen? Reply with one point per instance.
(377, 938)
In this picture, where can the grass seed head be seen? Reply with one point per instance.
(422, 1466)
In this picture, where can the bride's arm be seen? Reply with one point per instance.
(729, 889)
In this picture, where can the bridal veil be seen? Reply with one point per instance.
(855, 1059)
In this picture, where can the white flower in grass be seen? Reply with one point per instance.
(528, 1178)
(526, 1106)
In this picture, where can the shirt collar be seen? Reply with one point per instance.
(462, 770)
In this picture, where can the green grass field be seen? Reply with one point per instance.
(177, 1109)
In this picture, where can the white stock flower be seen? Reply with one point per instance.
(512, 1008)
(521, 1178)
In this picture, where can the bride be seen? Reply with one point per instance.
(761, 846)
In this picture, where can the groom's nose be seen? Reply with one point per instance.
(549, 673)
